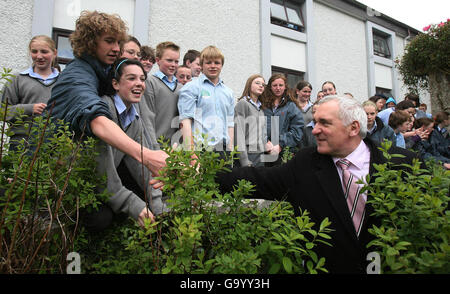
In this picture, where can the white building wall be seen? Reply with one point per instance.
(232, 26)
(15, 21)
(341, 54)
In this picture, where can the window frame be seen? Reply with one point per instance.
(286, 72)
(285, 22)
(384, 39)
(56, 33)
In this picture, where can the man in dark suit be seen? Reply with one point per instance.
(313, 180)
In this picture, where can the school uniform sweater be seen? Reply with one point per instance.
(250, 133)
(159, 107)
(22, 93)
(122, 199)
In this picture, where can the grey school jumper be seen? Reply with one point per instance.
(122, 199)
(23, 93)
(250, 132)
(159, 106)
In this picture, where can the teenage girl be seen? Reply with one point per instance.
(277, 102)
(30, 90)
(128, 185)
(250, 130)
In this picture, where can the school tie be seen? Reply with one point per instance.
(355, 201)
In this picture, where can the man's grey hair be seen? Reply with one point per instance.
(350, 110)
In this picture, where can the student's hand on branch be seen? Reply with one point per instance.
(145, 214)
(155, 160)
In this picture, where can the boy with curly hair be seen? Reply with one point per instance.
(76, 96)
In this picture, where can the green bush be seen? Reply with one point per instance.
(414, 233)
(209, 232)
(43, 186)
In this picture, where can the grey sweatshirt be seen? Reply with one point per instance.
(122, 199)
(250, 132)
(23, 93)
(159, 107)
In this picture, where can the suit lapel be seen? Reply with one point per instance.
(329, 180)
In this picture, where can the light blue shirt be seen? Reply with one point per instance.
(385, 114)
(35, 75)
(210, 106)
(400, 140)
(126, 116)
(171, 84)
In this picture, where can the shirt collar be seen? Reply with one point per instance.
(257, 103)
(202, 78)
(311, 124)
(162, 76)
(30, 71)
(373, 128)
(126, 116)
(307, 106)
(358, 157)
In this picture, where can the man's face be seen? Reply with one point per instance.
(331, 135)
(212, 68)
(108, 49)
(168, 63)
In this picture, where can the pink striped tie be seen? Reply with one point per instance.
(355, 203)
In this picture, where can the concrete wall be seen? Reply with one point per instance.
(15, 21)
(232, 26)
(341, 54)
(340, 49)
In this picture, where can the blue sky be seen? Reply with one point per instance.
(415, 13)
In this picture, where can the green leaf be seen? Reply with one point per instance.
(274, 269)
(287, 264)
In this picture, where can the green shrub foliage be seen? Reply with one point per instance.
(412, 206)
(209, 232)
(43, 186)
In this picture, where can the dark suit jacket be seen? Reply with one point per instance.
(311, 181)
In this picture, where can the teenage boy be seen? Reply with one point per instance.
(76, 94)
(192, 60)
(159, 104)
(183, 74)
(206, 105)
(75, 97)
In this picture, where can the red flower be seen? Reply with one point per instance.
(426, 28)
(441, 24)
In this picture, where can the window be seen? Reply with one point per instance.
(385, 92)
(292, 76)
(65, 53)
(380, 45)
(287, 14)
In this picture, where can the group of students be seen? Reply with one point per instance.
(107, 91)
